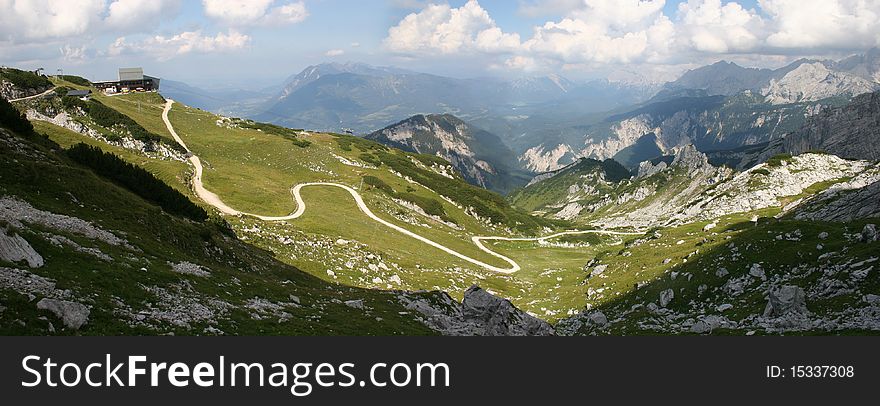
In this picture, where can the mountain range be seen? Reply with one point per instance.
(132, 214)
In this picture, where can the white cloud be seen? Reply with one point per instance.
(132, 15)
(441, 28)
(605, 31)
(38, 20)
(165, 48)
(709, 26)
(840, 24)
(335, 52)
(595, 33)
(73, 54)
(255, 12)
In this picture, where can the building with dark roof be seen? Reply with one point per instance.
(130, 80)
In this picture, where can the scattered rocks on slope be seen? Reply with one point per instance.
(14, 248)
(15, 212)
(480, 313)
(73, 314)
(188, 268)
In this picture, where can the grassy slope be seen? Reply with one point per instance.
(238, 160)
(239, 272)
(253, 171)
(637, 274)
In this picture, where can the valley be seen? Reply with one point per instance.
(667, 241)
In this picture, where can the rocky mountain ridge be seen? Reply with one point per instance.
(480, 157)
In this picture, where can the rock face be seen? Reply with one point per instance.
(858, 198)
(13, 249)
(850, 131)
(813, 82)
(480, 313)
(481, 157)
(786, 300)
(74, 315)
(495, 316)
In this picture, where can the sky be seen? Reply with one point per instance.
(257, 43)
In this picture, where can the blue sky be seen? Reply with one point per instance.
(260, 42)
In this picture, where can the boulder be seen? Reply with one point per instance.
(355, 304)
(869, 234)
(74, 315)
(701, 327)
(786, 300)
(495, 316)
(14, 248)
(666, 296)
(757, 271)
(598, 318)
(480, 313)
(722, 272)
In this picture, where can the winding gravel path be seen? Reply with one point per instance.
(215, 201)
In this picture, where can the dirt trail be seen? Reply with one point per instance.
(215, 201)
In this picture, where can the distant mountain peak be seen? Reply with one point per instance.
(479, 156)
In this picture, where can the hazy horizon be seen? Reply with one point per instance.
(252, 44)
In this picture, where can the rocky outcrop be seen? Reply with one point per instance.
(480, 313)
(542, 159)
(9, 91)
(17, 212)
(856, 199)
(813, 82)
(479, 156)
(785, 300)
(850, 132)
(156, 150)
(73, 314)
(14, 248)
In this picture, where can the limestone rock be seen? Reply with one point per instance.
(74, 315)
(598, 318)
(479, 313)
(757, 271)
(666, 296)
(787, 299)
(355, 304)
(869, 233)
(497, 316)
(14, 248)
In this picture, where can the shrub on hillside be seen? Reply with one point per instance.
(77, 80)
(288, 133)
(137, 180)
(24, 79)
(777, 160)
(13, 119)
